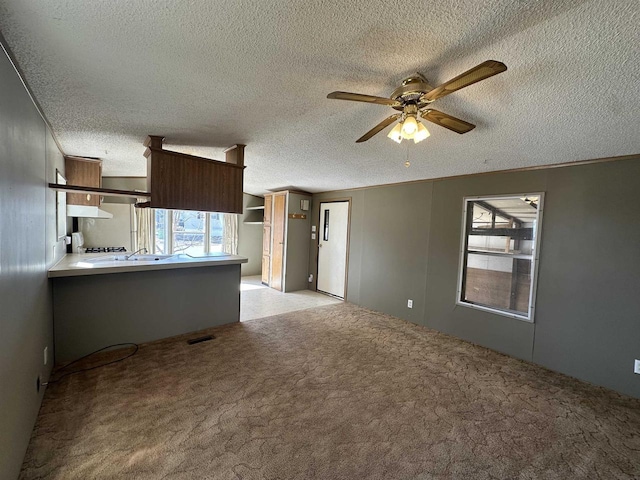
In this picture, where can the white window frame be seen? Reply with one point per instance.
(169, 230)
(534, 264)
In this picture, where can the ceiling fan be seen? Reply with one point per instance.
(413, 99)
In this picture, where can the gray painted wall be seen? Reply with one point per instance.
(298, 233)
(28, 159)
(94, 311)
(250, 236)
(405, 243)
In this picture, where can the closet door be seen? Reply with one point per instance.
(266, 240)
(278, 231)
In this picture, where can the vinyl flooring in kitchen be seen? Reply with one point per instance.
(259, 301)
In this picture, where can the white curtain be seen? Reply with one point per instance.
(230, 233)
(143, 222)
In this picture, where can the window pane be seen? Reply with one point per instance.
(499, 254)
(160, 243)
(188, 232)
(498, 282)
(215, 238)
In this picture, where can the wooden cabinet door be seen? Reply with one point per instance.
(266, 240)
(266, 253)
(277, 250)
(85, 172)
(268, 200)
(265, 269)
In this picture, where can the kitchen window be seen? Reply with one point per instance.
(499, 254)
(186, 231)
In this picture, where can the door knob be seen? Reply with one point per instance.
(319, 245)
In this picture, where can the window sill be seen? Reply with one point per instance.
(522, 318)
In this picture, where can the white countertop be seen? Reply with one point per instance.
(75, 264)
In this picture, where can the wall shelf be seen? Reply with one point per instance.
(98, 191)
(254, 215)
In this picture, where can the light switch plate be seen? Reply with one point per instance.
(313, 236)
(313, 228)
(636, 366)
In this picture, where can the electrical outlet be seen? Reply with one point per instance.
(636, 366)
(410, 303)
(310, 277)
(46, 355)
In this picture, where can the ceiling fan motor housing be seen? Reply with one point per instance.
(411, 90)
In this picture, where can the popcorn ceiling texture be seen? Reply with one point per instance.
(210, 74)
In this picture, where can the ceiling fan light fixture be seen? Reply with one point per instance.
(396, 133)
(421, 134)
(409, 127)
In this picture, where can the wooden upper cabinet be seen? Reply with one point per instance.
(184, 182)
(84, 172)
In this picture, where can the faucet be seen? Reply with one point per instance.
(127, 257)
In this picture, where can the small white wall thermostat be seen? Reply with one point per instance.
(304, 205)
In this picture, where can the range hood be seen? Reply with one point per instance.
(85, 211)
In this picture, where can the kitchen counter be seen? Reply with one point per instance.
(78, 264)
(139, 301)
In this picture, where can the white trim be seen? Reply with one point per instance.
(535, 261)
(285, 243)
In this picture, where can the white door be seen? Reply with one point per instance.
(332, 247)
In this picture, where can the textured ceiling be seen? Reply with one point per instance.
(209, 74)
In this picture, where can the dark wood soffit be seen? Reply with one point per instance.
(193, 157)
(512, 170)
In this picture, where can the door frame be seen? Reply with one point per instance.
(346, 266)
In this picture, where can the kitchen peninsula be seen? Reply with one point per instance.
(100, 300)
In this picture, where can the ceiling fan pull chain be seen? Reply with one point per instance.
(407, 163)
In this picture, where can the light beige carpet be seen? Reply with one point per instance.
(335, 392)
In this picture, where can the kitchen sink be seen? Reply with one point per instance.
(122, 259)
(141, 258)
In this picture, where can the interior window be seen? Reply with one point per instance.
(499, 254)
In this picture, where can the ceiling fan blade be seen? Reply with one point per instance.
(378, 128)
(358, 97)
(479, 72)
(447, 121)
